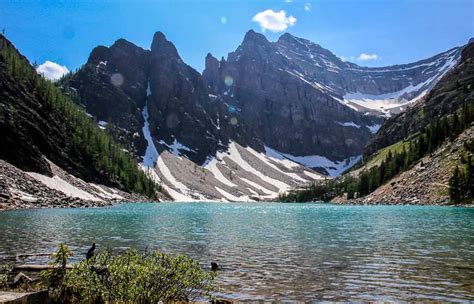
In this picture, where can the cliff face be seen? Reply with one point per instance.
(289, 113)
(291, 95)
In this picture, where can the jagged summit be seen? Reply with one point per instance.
(252, 37)
(162, 47)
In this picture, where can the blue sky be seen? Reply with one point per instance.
(386, 31)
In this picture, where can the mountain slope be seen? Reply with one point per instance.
(40, 128)
(304, 101)
(450, 94)
(424, 164)
(286, 97)
(383, 90)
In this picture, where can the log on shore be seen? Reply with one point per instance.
(37, 267)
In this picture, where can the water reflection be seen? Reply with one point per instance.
(279, 251)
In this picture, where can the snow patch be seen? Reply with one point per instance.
(151, 154)
(264, 159)
(212, 167)
(257, 186)
(60, 184)
(175, 147)
(247, 167)
(312, 175)
(374, 128)
(334, 168)
(348, 124)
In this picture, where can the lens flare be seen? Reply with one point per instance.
(116, 79)
(233, 121)
(228, 80)
(223, 20)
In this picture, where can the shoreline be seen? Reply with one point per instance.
(113, 203)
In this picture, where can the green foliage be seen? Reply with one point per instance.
(132, 277)
(461, 183)
(56, 276)
(5, 276)
(403, 157)
(89, 144)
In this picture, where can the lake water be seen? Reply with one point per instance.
(279, 251)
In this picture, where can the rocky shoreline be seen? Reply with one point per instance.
(21, 190)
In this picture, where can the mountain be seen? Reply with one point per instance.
(268, 103)
(450, 94)
(421, 156)
(448, 111)
(48, 141)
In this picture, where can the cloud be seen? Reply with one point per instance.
(288, 1)
(51, 70)
(368, 57)
(274, 21)
(307, 7)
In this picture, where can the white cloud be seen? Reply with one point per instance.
(307, 7)
(274, 21)
(288, 1)
(51, 70)
(368, 57)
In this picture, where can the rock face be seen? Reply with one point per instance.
(452, 92)
(117, 82)
(288, 113)
(303, 100)
(291, 95)
(112, 87)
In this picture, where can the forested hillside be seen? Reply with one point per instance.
(37, 121)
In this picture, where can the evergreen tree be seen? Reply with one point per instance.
(455, 185)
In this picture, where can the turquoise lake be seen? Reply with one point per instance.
(308, 252)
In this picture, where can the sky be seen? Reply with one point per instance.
(367, 32)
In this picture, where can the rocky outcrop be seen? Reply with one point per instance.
(112, 86)
(179, 103)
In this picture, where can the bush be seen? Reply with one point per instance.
(5, 276)
(132, 277)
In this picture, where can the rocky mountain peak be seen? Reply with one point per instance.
(211, 73)
(254, 38)
(163, 47)
(468, 50)
(211, 62)
(98, 53)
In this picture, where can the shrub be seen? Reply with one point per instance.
(132, 277)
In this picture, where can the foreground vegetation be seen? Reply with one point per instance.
(88, 143)
(398, 160)
(131, 277)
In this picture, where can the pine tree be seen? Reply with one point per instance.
(454, 185)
